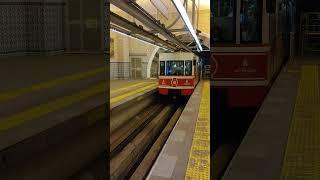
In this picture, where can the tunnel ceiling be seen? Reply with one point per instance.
(136, 11)
(187, 38)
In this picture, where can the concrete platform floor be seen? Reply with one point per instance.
(38, 92)
(280, 140)
(23, 71)
(186, 153)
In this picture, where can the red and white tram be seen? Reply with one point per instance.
(179, 73)
(249, 43)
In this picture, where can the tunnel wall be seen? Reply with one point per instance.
(122, 51)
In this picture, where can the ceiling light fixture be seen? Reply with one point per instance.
(186, 20)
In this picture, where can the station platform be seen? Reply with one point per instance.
(123, 91)
(49, 99)
(39, 92)
(186, 153)
(283, 141)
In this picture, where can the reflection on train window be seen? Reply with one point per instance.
(162, 68)
(250, 19)
(223, 21)
(175, 68)
(188, 70)
(282, 16)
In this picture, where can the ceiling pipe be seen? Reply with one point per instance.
(135, 29)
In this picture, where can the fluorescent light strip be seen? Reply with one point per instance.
(186, 19)
(114, 30)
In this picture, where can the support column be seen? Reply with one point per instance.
(150, 61)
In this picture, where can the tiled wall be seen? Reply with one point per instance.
(122, 70)
(31, 26)
(119, 70)
(53, 26)
(12, 28)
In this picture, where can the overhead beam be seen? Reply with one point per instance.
(172, 30)
(137, 12)
(122, 22)
(193, 11)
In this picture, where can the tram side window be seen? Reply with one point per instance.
(162, 68)
(175, 68)
(223, 21)
(282, 15)
(250, 21)
(188, 69)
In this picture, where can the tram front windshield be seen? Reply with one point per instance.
(175, 68)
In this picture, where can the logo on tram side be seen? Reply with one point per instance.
(187, 82)
(174, 82)
(245, 67)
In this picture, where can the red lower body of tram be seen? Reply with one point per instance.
(244, 74)
(177, 85)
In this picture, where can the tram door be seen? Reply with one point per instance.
(136, 68)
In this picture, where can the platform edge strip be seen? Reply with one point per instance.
(302, 155)
(199, 158)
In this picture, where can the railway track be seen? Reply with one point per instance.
(135, 145)
(231, 125)
(135, 141)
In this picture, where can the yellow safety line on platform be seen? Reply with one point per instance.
(199, 157)
(120, 97)
(49, 84)
(128, 87)
(43, 109)
(302, 156)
